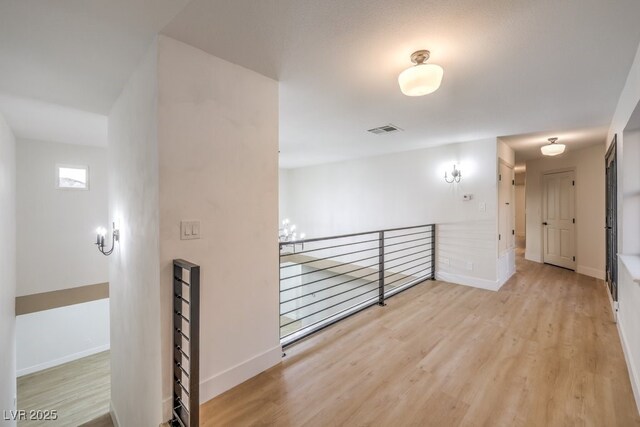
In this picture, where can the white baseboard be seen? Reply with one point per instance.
(225, 380)
(61, 360)
(633, 370)
(593, 272)
(491, 285)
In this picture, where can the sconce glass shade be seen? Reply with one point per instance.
(552, 149)
(421, 79)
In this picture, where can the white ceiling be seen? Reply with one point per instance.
(76, 53)
(38, 120)
(527, 146)
(511, 67)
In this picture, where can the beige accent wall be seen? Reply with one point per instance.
(61, 298)
(590, 206)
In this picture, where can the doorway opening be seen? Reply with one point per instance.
(558, 219)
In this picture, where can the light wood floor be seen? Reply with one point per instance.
(78, 390)
(543, 351)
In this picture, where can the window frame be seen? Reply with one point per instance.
(70, 166)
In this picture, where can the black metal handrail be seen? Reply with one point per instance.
(186, 364)
(325, 279)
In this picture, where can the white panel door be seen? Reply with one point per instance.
(558, 219)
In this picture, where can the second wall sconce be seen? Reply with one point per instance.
(456, 175)
(101, 233)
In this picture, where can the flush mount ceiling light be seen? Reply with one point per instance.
(552, 149)
(422, 78)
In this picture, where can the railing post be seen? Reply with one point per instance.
(433, 252)
(381, 269)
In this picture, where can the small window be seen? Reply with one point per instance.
(72, 177)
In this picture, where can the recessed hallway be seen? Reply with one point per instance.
(541, 351)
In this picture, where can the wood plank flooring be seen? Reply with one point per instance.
(543, 351)
(78, 390)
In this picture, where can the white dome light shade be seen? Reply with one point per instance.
(552, 149)
(421, 79)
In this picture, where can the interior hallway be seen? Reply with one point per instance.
(541, 351)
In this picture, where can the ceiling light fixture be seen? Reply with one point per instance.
(552, 149)
(422, 78)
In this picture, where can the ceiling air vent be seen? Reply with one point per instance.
(385, 129)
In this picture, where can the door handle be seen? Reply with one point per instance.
(544, 223)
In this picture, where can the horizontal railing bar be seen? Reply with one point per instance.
(405, 249)
(329, 297)
(317, 239)
(328, 321)
(181, 281)
(404, 256)
(407, 262)
(403, 287)
(419, 271)
(183, 353)
(177, 380)
(327, 308)
(377, 248)
(408, 241)
(407, 269)
(183, 300)
(315, 270)
(408, 234)
(182, 405)
(181, 315)
(327, 278)
(182, 333)
(329, 287)
(328, 247)
(179, 365)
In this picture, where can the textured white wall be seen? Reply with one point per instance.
(7, 267)
(405, 189)
(56, 228)
(218, 145)
(590, 206)
(52, 337)
(136, 386)
(629, 291)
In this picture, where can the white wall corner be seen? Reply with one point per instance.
(593, 272)
(474, 282)
(225, 380)
(113, 415)
(634, 374)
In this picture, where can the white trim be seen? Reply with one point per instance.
(60, 361)
(227, 379)
(114, 416)
(593, 272)
(474, 282)
(633, 371)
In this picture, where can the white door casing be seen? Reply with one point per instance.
(558, 219)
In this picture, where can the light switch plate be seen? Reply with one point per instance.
(189, 230)
(482, 206)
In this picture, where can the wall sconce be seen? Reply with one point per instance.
(101, 233)
(455, 175)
